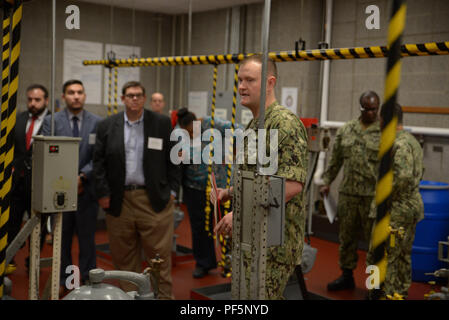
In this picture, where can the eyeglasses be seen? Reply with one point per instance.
(132, 96)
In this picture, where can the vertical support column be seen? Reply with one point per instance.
(249, 239)
(56, 261)
(259, 237)
(211, 152)
(34, 259)
(236, 236)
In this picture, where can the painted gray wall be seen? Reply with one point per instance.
(95, 25)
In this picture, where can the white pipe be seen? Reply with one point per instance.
(158, 69)
(440, 132)
(317, 179)
(172, 70)
(326, 71)
(181, 69)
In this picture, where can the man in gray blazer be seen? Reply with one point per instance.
(74, 121)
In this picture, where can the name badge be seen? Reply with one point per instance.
(154, 143)
(92, 137)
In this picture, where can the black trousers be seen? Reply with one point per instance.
(83, 223)
(202, 244)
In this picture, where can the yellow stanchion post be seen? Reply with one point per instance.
(380, 235)
(7, 130)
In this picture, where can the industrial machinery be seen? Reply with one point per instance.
(441, 273)
(98, 290)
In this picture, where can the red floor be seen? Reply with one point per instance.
(325, 270)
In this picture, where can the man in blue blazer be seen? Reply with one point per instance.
(74, 121)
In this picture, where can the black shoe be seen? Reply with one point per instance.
(199, 272)
(345, 281)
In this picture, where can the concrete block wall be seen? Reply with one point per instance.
(208, 29)
(95, 25)
(424, 79)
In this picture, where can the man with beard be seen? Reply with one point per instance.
(28, 124)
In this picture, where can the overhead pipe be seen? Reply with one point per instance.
(189, 52)
(159, 37)
(430, 131)
(408, 50)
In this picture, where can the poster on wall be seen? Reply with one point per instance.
(75, 51)
(247, 116)
(290, 99)
(123, 74)
(198, 103)
(221, 113)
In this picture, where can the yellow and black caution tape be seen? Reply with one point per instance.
(115, 90)
(380, 234)
(224, 240)
(110, 92)
(7, 125)
(4, 117)
(407, 50)
(207, 210)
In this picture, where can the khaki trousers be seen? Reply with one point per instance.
(140, 227)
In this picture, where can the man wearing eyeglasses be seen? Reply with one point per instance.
(356, 148)
(136, 184)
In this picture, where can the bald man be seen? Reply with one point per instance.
(355, 149)
(157, 102)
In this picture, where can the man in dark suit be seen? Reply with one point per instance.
(136, 185)
(75, 121)
(28, 124)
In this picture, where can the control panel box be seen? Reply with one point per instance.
(55, 174)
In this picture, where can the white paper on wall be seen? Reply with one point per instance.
(221, 113)
(198, 103)
(247, 115)
(290, 99)
(75, 51)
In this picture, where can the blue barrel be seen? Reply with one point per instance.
(433, 228)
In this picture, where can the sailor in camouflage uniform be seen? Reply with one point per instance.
(356, 148)
(407, 208)
(292, 164)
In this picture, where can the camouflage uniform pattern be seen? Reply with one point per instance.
(356, 149)
(292, 164)
(355, 225)
(407, 210)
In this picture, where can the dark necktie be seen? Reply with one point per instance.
(76, 131)
(30, 132)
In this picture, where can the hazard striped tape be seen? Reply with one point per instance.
(8, 122)
(407, 50)
(381, 233)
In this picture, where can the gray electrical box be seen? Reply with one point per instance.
(55, 174)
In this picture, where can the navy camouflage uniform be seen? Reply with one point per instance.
(356, 149)
(292, 164)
